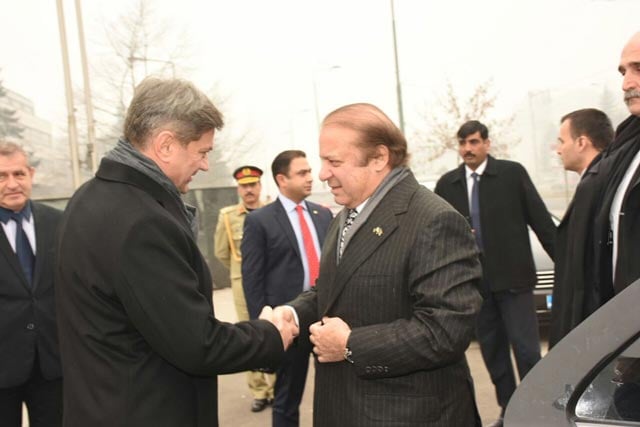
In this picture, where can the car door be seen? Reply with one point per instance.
(591, 377)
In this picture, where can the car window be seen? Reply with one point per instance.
(614, 394)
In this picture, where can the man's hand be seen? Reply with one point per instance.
(329, 338)
(282, 319)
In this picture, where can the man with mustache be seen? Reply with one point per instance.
(617, 226)
(499, 200)
(227, 240)
(281, 247)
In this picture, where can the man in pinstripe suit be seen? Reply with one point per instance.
(394, 307)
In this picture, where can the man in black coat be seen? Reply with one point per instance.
(583, 135)
(29, 358)
(617, 226)
(139, 340)
(500, 201)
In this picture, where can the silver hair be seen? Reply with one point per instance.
(169, 104)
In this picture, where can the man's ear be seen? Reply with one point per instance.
(381, 161)
(163, 144)
(583, 142)
(280, 179)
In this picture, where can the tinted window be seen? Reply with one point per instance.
(615, 392)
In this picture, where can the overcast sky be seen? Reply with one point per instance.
(270, 57)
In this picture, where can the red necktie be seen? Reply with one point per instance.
(309, 248)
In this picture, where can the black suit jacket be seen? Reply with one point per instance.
(406, 287)
(27, 313)
(575, 296)
(272, 271)
(508, 203)
(139, 340)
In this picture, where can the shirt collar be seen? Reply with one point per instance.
(479, 170)
(5, 214)
(361, 206)
(290, 205)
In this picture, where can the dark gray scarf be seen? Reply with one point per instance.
(126, 154)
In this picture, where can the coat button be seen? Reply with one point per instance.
(31, 326)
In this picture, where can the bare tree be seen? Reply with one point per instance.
(443, 121)
(140, 43)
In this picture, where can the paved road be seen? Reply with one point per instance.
(234, 400)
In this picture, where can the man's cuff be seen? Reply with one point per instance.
(295, 315)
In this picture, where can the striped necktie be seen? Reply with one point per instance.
(351, 216)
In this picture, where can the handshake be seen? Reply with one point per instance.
(329, 336)
(283, 319)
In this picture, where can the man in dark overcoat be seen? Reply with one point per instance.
(139, 339)
(583, 135)
(500, 201)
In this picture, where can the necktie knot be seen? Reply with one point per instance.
(17, 216)
(351, 216)
(7, 214)
(22, 246)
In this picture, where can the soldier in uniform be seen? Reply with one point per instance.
(227, 249)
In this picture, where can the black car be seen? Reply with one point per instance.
(591, 377)
(543, 291)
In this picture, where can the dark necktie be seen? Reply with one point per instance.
(351, 216)
(475, 210)
(22, 245)
(309, 248)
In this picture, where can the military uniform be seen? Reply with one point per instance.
(227, 250)
(227, 239)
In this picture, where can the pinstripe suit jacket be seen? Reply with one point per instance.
(409, 295)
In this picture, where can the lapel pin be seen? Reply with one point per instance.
(315, 212)
(378, 231)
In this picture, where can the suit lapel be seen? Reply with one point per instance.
(12, 258)
(282, 218)
(42, 230)
(459, 186)
(321, 228)
(380, 225)
(592, 169)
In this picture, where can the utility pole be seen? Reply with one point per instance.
(91, 129)
(73, 132)
(395, 56)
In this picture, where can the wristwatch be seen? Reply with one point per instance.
(347, 355)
